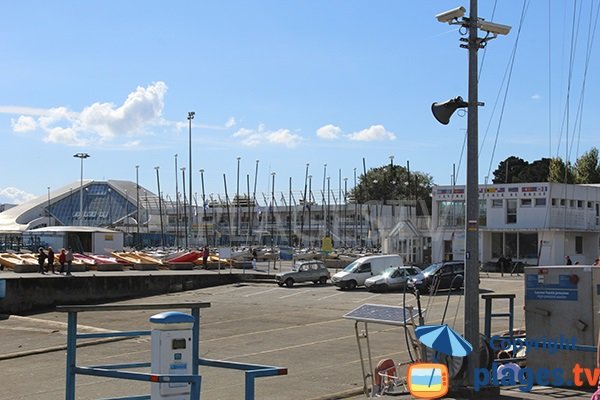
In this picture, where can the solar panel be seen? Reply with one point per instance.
(389, 315)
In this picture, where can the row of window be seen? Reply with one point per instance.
(572, 203)
(537, 202)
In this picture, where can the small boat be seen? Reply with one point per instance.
(138, 260)
(18, 264)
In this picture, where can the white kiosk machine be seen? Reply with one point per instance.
(171, 353)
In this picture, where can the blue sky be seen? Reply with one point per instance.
(283, 82)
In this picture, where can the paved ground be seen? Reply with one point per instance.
(300, 328)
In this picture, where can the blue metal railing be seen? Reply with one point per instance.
(117, 371)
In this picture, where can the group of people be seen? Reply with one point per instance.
(65, 257)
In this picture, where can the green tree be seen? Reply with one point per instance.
(393, 183)
(509, 170)
(559, 171)
(586, 169)
(536, 171)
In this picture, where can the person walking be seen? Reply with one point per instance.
(51, 259)
(69, 260)
(62, 259)
(41, 259)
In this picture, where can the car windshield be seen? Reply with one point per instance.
(431, 269)
(388, 271)
(352, 266)
(296, 267)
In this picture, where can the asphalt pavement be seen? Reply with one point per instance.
(301, 328)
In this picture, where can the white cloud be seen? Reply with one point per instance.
(372, 133)
(13, 195)
(97, 123)
(24, 124)
(253, 138)
(536, 97)
(230, 123)
(329, 132)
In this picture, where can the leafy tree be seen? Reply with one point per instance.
(559, 171)
(586, 167)
(509, 170)
(536, 171)
(388, 183)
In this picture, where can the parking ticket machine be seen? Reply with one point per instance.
(171, 339)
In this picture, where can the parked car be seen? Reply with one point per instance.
(363, 268)
(392, 278)
(444, 275)
(304, 271)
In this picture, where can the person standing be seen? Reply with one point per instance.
(254, 256)
(51, 259)
(568, 259)
(205, 257)
(69, 260)
(62, 258)
(41, 259)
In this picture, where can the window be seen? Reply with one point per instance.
(540, 202)
(451, 213)
(554, 202)
(572, 203)
(563, 202)
(511, 211)
(579, 203)
(589, 204)
(578, 244)
(528, 245)
(525, 202)
(496, 203)
(497, 247)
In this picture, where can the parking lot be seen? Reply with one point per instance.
(301, 328)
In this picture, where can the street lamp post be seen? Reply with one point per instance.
(81, 156)
(272, 211)
(190, 117)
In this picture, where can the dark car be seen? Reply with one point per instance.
(445, 275)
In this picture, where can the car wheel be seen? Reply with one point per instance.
(315, 282)
(429, 288)
(323, 280)
(351, 285)
(289, 282)
(280, 284)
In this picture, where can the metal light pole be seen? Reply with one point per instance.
(345, 210)
(162, 229)
(81, 156)
(471, 280)
(190, 117)
(184, 209)
(309, 206)
(176, 205)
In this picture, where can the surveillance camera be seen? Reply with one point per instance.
(450, 15)
(497, 29)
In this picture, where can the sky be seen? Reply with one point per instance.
(287, 83)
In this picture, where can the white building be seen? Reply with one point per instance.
(536, 223)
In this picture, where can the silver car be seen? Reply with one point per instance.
(305, 271)
(392, 278)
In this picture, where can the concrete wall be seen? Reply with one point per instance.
(30, 295)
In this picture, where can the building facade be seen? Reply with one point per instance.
(536, 223)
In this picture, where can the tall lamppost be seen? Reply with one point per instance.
(81, 156)
(443, 112)
(162, 231)
(204, 208)
(190, 117)
(345, 210)
(187, 226)
(309, 206)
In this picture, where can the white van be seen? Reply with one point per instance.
(357, 272)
